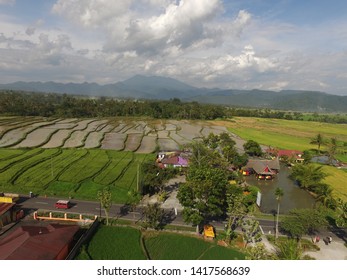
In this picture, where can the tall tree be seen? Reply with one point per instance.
(153, 216)
(203, 195)
(279, 194)
(105, 198)
(236, 209)
(332, 147)
(304, 221)
(318, 140)
(252, 148)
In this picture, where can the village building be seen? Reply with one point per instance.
(263, 169)
(38, 242)
(292, 155)
(172, 159)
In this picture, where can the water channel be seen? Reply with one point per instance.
(293, 197)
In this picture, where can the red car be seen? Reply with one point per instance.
(62, 204)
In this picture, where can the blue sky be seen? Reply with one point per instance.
(244, 44)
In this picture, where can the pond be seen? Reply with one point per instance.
(293, 197)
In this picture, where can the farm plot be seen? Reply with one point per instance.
(36, 138)
(126, 128)
(114, 141)
(81, 125)
(190, 131)
(114, 243)
(213, 129)
(171, 126)
(86, 167)
(76, 139)
(139, 127)
(127, 181)
(14, 136)
(40, 175)
(71, 120)
(93, 126)
(106, 128)
(133, 142)
(93, 140)
(62, 125)
(119, 161)
(163, 134)
(178, 138)
(10, 157)
(58, 139)
(167, 144)
(119, 127)
(9, 175)
(148, 145)
(6, 154)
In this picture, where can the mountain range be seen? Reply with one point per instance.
(164, 88)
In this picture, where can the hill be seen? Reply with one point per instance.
(163, 88)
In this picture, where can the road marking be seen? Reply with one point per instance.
(41, 202)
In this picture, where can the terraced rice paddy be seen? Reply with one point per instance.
(78, 173)
(113, 134)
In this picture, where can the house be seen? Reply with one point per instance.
(286, 154)
(172, 159)
(38, 242)
(263, 169)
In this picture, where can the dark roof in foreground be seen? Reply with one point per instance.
(37, 242)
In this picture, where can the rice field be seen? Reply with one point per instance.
(124, 243)
(127, 134)
(78, 173)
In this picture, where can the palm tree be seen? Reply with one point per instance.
(332, 149)
(278, 193)
(318, 140)
(308, 175)
(324, 194)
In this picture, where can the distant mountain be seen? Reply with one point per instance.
(163, 88)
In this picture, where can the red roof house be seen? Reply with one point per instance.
(49, 242)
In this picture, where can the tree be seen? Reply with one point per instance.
(105, 198)
(258, 252)
(278, 193)
(133, 199)
(304, 221)
(203, 194)
(236, 209)
(332, 147)
(324, 195)
(153, 216)
(318, 140)
(251, 231)
(341, 212)
(290, 249)
(308, 175)
(252, 148)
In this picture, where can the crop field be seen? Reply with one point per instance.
(128, 134)
(78, 173)
(124, 243)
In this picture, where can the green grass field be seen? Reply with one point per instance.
(115, 243)
(124, 243)
(77, 173)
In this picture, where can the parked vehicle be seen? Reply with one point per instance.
(62, 204)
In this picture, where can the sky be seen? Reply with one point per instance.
(241, 44)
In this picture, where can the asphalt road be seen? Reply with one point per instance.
(121, 211)
(116, 211)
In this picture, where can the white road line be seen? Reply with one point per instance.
(41, 202)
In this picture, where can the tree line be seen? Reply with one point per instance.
(62, 105)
